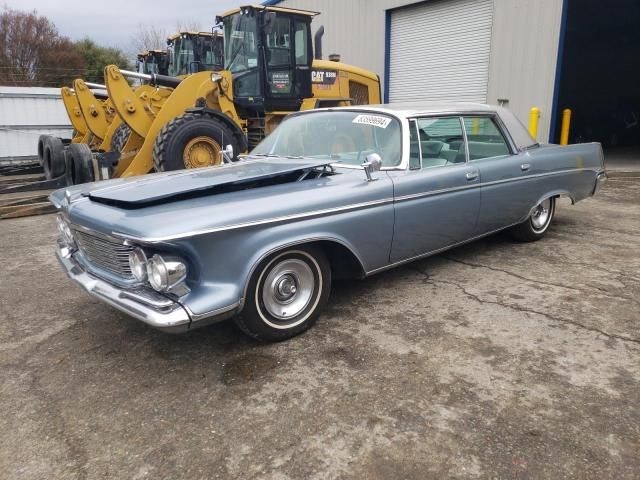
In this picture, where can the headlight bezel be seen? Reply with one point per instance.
(164, 274)
(138, 264)
(65, 232)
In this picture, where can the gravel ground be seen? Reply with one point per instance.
(494, 360)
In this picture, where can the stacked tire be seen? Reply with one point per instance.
(79, 167)
(51, 156)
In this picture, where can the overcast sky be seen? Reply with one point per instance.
(113, 22)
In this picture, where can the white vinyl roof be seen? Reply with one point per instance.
(517, 130)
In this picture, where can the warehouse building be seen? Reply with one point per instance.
(551, 54)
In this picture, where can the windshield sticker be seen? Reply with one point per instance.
(375, 120)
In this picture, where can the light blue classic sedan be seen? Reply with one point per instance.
(343, 192)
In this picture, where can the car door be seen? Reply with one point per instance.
(437, 199)
(506, 196)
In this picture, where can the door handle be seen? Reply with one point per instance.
(471, 175)
(525, 166)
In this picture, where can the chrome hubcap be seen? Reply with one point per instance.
(541, 214)
(288, 288)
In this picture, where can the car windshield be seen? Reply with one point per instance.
(341, 136)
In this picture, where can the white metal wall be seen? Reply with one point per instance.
(25, 114)
(524, 54)
(440, 51)
(524, 45)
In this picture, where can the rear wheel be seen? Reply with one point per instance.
(535, 227)
(192, 140)
(120, 137)
(286, 294)
(79, 164)
(53, 161)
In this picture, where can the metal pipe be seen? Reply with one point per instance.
(154, 78)
(95, 85)
(139, 76)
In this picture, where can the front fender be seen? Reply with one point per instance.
(223, 262)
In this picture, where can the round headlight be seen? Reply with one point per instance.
(164, 275)
(138, 264)
(157, 273)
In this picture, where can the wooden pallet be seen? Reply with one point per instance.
(14, 205)
(24, 192)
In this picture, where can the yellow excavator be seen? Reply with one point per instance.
(211, 117)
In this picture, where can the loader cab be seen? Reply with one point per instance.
(192, 52)
(269, 54)
(152, 61)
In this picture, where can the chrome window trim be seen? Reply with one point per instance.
(465, 139)
(415, 124)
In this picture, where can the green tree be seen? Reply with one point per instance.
(97, 57)
(33, 53)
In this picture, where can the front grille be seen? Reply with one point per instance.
(359, 93)
(104, 252)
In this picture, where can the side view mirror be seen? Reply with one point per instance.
(227, 154)
(373, 163)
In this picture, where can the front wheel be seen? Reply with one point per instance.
(286, 294)
(535, 227)
(192, 140)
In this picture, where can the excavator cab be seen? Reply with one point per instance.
(269, 54)
(192, 52)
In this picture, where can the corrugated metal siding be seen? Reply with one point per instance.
(353, 28)
(440, 51)
(524, 51)
(524, 45)
(25, 114)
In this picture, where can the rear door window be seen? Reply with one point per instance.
(484, 138)
(438, 141)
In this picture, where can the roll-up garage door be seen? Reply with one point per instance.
(440, 51)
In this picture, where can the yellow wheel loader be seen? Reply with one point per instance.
(153, 61)
(210, 117)
(51, 150)
(99, 129)
(192, 52)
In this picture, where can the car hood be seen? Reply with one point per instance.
(171, 186)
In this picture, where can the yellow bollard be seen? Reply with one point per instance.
(534, 116)
(475, 126)
(566, 123)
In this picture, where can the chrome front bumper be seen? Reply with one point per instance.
(148, 306)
